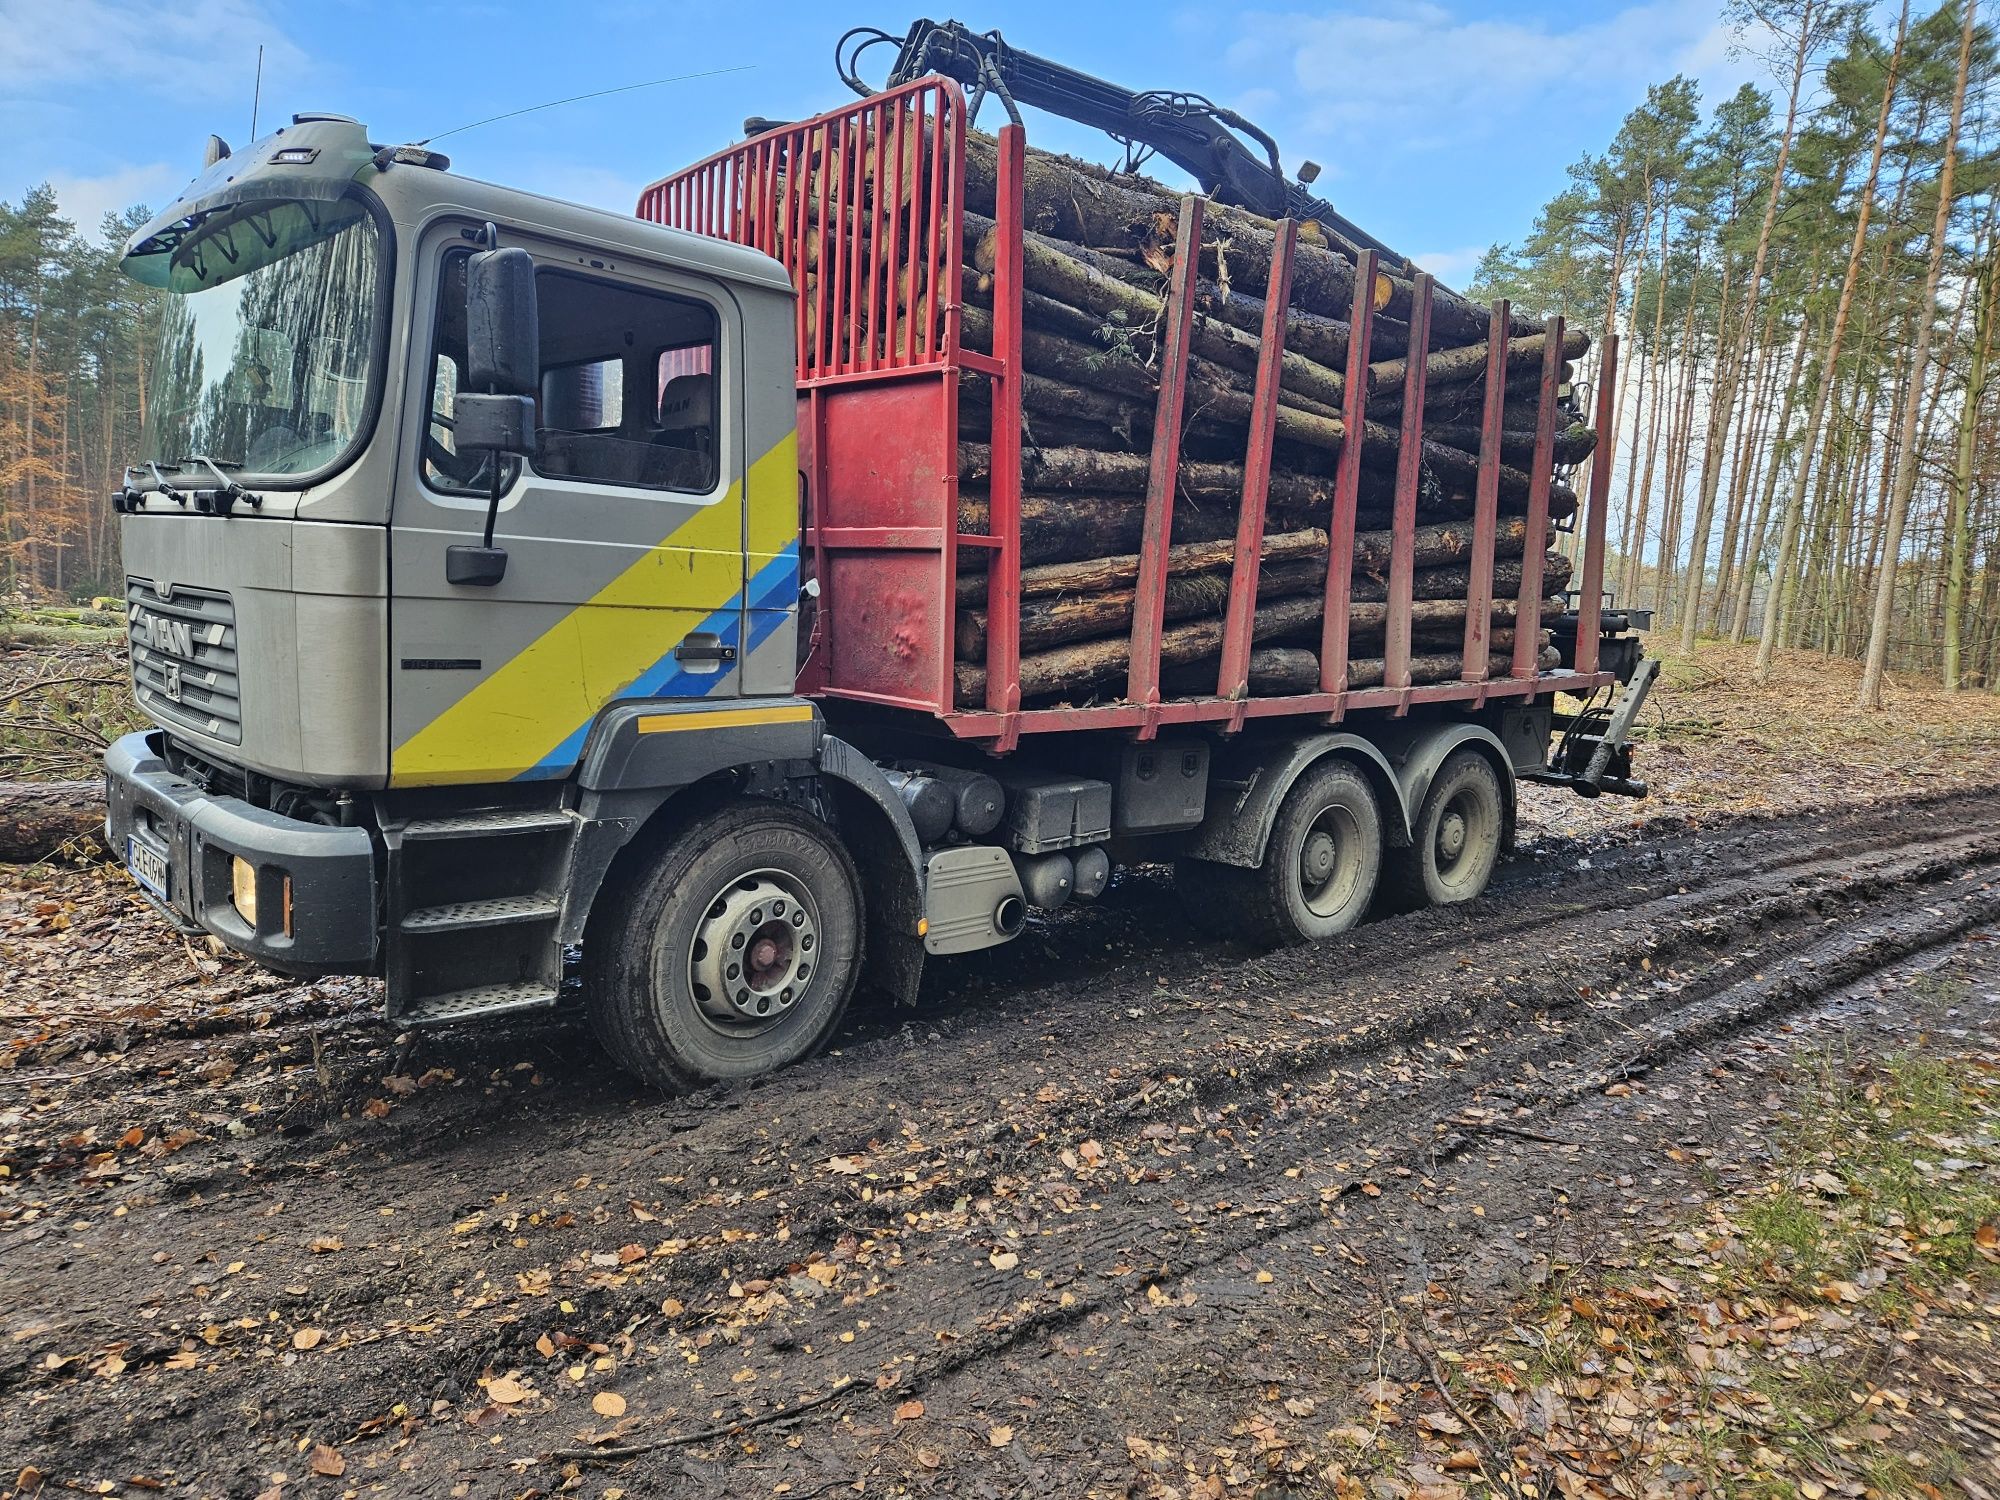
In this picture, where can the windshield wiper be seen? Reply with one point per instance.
(223, 499)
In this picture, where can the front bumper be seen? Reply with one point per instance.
(332, 906)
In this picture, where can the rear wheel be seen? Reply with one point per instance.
(1319, 869)
(734, 954)
(1455, 842)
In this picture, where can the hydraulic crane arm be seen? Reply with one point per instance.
(1194, 133)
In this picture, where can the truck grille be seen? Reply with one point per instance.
(184, 658)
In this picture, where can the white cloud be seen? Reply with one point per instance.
(1420, 75)
(86, 200)
(117, 42)
(1452, 267)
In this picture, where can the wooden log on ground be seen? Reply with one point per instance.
(38, 817)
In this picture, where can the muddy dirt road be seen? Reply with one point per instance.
(1107, 1183)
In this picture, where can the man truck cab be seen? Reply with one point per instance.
(463, 570)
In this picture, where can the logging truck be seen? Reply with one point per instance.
(690, 616)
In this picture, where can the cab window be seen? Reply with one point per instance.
(628, 388)
(606, 412)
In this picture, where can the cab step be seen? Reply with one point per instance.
(499, 911)
(478, 1004)
(487, 824)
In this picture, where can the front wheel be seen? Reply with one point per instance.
(733, 954)
(1319, 869)
(1455, 842)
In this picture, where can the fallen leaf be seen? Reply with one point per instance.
(608, 1404)
(325, 1244)
(909, 1411)
(999, 1437)
(672, 1307)
(1004, 1260)
(308, 1338)
(326, 1461)
(930, 1458)
(506, 1390)
(376, 1109)
(545, 1346)
(1442, 1422)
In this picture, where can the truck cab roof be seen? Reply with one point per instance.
(317, 158)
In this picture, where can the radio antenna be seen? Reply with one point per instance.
(257, 94)
(625, 88)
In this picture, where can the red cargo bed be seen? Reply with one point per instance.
(879, 439)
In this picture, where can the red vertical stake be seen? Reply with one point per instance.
(1590, 606)
(1347, 482)
(1528, 612)
(1003, 576)
(1476, 664)
(1142, 682)
(1409, 473)
(1234, 680)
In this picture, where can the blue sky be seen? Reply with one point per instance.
(1440, 124)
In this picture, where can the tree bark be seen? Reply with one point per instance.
(1870, 695)
(1055, 619)
(1071, 202)
(39, 817)
(1099, 574)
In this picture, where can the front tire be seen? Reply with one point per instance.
(1319, 871)
(732, 954)
(1455, 842)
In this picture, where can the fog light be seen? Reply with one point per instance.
(243, 889)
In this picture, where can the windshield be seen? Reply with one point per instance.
(265, 359)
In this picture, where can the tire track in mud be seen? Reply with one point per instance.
(1386, 950)
(1295, 1098)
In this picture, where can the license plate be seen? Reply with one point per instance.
(148, 867)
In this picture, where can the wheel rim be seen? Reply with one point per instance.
(754, 952)
(1329, 871)
(1457, 849)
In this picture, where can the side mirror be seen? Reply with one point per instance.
(503, 342)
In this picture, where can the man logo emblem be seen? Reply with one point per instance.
(163, 633)
(173, 681)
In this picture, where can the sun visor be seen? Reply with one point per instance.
(277, 195)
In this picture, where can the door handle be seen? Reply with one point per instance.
(704, 645)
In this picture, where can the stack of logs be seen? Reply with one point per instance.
(1097, 254)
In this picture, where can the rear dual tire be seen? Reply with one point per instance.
(1455, 839)
(1326, 856)
(1319, 871)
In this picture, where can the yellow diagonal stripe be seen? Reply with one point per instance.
(535, 700)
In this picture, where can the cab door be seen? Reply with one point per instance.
(623, 530)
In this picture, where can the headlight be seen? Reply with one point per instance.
(243, 889)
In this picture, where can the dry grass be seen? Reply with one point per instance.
(1713, 740)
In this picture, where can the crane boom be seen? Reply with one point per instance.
(1196, 134)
